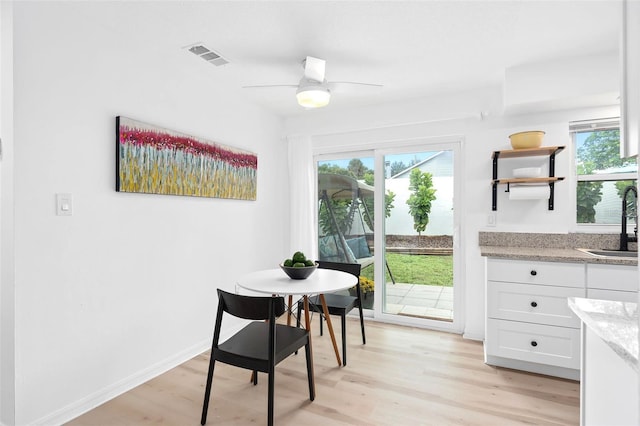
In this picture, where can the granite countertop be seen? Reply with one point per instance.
(616, 323)
(570, 255)
(551, 247)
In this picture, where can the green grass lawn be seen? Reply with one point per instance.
(418, 269)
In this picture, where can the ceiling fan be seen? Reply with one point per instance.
(313, 90)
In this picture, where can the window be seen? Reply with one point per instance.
(602, 175)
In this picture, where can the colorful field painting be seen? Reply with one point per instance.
(153, 160)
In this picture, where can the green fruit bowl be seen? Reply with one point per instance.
(299, 273)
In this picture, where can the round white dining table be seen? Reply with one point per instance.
(276, 282)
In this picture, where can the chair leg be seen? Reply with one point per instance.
(298, 318)
(254, 377)
(343, 320)
(364, 339)
(271, 397)
(321, 318)
(207, 392)
(310, 375)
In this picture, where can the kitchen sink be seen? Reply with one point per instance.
(610, 253)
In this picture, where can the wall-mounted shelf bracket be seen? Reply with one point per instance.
(551, 151)
(494, 195)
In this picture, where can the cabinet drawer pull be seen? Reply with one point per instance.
(534, 343)
(534, 273)
(534, 304)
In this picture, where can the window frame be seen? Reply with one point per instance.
(575, 127)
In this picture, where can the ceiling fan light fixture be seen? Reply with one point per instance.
(313, 96)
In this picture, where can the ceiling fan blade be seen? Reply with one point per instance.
(354, 87)
(267, 86)
(354, 83)
(314, 69)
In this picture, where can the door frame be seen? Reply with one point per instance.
(377, 150)
(418, 145)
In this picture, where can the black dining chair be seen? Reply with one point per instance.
(338, 304)
(260, 345)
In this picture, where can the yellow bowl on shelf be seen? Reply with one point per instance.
(524, 140)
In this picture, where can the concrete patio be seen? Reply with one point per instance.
(420, 300)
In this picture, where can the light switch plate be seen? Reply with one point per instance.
(64, 205)
(492, 218)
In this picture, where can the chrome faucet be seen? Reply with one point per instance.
(624, 237)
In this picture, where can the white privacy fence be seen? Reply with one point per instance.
(441, 217)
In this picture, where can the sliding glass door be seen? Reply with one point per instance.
(419, 235)
(345, 215)
(394, 212)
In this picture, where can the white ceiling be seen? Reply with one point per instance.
(413, 48)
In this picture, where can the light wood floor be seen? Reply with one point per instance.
(402, 376)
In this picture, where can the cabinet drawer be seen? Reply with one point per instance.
(543, 344)
(612, 277)
(532, 303)
(541, 273)
(620, 296)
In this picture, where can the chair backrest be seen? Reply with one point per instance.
(251, 307)
(351, 268)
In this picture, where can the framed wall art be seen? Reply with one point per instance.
(154, 160)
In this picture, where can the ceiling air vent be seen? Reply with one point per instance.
(207, 54)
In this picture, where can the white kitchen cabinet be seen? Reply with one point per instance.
(630, 84)
(609, 386)
(620, 296)
(535, 343)
(538, 304)
(612, 282)
(529, 324)
(539, 273)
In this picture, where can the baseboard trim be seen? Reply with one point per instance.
(532, 367)
(95, 399)
(473, 336)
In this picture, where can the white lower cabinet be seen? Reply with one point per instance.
(608, 387)
(620, 296)
(529, 324)
(542, 344)
(612, 282)
(537, 304)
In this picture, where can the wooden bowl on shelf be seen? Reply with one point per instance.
(524, 140)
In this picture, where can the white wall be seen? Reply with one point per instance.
(125, 287)
(562, 82)
(7, 308)
(451, 118)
